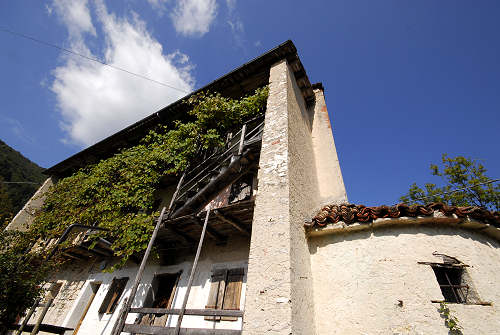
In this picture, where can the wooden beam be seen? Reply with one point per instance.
(232, 222)
(211, 232)
(200, 312)
(188, 239)
(156, 330)
(73, 255)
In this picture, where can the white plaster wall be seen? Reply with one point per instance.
(26, 215)
(295, 139)
(304, 196)
(331, 187)
(267, 307)
(279, 296)
(360, 277)
(68, 304)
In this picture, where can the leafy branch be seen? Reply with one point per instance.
(465, 184)
(451, 321)
(117, 193)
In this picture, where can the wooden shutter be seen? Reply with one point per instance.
(232, 295)
(113, 296)
(216, 295)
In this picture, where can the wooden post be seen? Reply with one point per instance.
(117, 329)
(242, 139)
(28, 316)
(41, 317)
(44, 311)
(191, 275)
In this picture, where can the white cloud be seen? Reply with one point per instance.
(16, 127)
(236, 24)
(48, 9)
(194, 17)
(158, 5)
(75, 15)
(231, 5)
(95, 100)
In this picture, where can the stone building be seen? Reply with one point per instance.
(275, 259)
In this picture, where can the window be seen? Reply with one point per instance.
(450, 279)
(455, 282)
(115, 291)
(225, 292)
(161, 295)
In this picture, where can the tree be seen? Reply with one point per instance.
(6, 209)
(21, 275)
(466, 184)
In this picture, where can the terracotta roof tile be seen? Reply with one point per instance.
(350, 213)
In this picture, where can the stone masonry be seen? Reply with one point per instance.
(279, 297)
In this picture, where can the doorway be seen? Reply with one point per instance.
(161, 295)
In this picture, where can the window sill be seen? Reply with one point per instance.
(482, 303)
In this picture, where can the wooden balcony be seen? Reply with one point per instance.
(156, 330)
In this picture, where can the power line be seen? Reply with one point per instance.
(19, 182)
(88, 58)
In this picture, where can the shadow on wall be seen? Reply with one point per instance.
(318, 242)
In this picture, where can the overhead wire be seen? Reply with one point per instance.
(19, 182)
(97, 60)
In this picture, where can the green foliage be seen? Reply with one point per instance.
(458, 173)
(20, 275)
(6, 209)
(15, 167)
(450, 320)
(118, 193)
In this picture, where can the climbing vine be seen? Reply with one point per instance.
(118, 192)
(450, 320)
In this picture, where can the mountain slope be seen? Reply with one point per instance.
(14, 167)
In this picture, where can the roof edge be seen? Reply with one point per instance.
(285, 50)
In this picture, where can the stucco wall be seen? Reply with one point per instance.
(279, 298)
(304, 196)
(267, 307)
(296, 137)
(26, 215)
(331, 187)
(359, 278)
(77, 278)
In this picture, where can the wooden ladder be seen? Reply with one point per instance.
(120, 324)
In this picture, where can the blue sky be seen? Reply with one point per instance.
(404, 81)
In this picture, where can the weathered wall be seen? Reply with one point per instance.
(330, 182)
(360, 277)
(267, 307)
(303, 193)
(76, 279)
(279, 292)
(26, 215)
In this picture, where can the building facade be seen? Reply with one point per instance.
(274, 255)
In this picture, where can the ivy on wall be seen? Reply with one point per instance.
(117, 193)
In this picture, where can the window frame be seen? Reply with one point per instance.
(112, 298)
(471, 297)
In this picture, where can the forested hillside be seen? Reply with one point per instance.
(14, 167)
